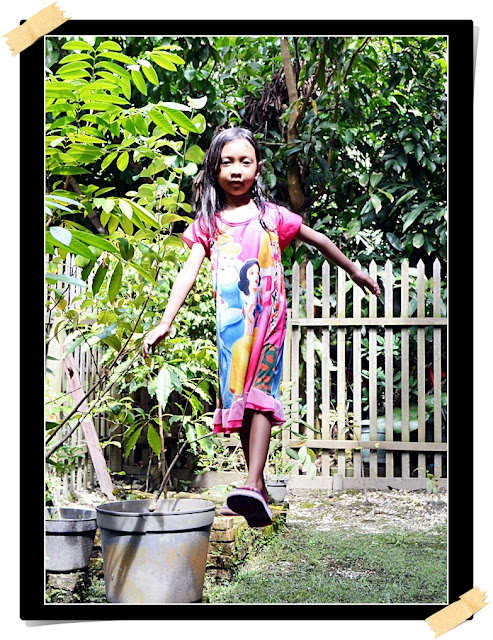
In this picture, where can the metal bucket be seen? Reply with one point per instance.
(365, 435)
(158, 556)
(69, 541)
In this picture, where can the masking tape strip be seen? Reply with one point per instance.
(35, 27)
(457, 612)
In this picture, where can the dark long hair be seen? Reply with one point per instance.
(212, 198)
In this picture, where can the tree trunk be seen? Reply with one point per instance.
(296, 196)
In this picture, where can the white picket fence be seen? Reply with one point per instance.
(322, 396)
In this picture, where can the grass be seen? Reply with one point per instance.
(310, 566)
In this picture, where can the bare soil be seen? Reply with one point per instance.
(377, 512)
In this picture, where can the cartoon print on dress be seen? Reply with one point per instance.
(248, 283)
(229, 302)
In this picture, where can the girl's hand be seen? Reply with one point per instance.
(154, 337)
(364, 281)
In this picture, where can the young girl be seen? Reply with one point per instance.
(243, 236)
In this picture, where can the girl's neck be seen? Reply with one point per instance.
(239, 211)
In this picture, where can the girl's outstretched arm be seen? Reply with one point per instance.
(330, 251)
(181, 287)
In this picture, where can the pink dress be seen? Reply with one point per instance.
(250, 299)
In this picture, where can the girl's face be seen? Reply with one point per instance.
(238, 169)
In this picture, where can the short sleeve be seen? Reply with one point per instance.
(193, 234)
(288, 226)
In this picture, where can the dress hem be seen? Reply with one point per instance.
(231, 420)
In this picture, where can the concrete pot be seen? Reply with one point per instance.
(69, 541)
(155, 557)
(277, 489)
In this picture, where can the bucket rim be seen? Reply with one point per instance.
(53, 511)
(105, 508)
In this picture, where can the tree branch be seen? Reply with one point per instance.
(321, 60)
(93, 217)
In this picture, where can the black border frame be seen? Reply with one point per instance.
(460, 419)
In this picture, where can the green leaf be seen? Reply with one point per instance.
(163, 386)
(132, 440)
(395, 242)
(198, 103)
(153, 439)
(55, 277)
(113, 342)
(292, 453)
(122, 161)
(376, 202)
(144, 215)
(140, 124)
(151, 75)
(175, 105)
(120, 57)
(108, 204)
(108, 160)
(170, 56)
(179, 118)
(99, 278)
(62, 235)
(69, 170)
(74, 66)
(74, 57)
(163, 61)
(110, 330)
(200, 123)
(411, 216)
(145, 274)
(418, 240)
(161, 121)
(406, 196)
(111, 45)
(375, 179)
(77, 45)
(115, 68)
(126, 225)
(190, 169)
(195, 154)
(139, 81)
(94, 241)
(126, 208)
(74, 245)
(126, 249)
(116, 281)
(173, 241)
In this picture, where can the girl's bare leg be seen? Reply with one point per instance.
(255, 442)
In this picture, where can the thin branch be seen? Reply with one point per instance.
(153, 505)
(105, 376)
(302, 109)
(81, 419)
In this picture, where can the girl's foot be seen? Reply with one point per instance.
(249, 503)
(262, 490)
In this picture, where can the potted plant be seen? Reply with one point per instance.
(278, 471)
